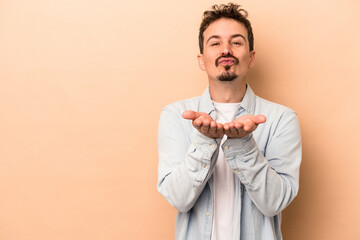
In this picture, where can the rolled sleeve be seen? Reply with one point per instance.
(272, 181)
(184, 167)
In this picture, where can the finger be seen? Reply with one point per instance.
(231, 133)
(234, 131)
(197, 124)
(249, 125)
(192, 115)
(238, 125)
(229, 125)
(227, 132)
(212, 129)
(205, 126)
(206, 121)
(258, 119)
(189, 115)
(219, 129)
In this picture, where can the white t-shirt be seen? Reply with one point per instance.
(223, 182)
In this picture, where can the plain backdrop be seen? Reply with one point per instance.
(82, 85)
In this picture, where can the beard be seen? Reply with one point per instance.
(227, 76)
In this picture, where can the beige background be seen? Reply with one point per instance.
(82, 84)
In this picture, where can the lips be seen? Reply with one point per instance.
(226, 61)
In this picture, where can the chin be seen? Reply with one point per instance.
(227, 76)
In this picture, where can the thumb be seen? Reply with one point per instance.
(191, 115)
(259, 119)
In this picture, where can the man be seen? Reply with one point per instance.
(228, 160)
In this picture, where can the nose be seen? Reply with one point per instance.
(226, 50)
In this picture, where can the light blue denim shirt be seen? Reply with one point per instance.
(266, 164)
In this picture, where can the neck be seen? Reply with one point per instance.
(227, 92)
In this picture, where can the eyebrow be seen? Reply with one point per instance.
(232, 36)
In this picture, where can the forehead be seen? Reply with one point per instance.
(224, 28)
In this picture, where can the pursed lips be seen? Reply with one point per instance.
(226, 61)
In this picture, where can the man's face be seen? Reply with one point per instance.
(226, 55)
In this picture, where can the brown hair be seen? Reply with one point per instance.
(230, 10)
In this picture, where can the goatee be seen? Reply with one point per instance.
(227, 76)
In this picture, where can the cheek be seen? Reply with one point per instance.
(210, 57)
(209, 62)
(244, 61)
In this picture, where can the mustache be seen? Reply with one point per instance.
(236, 60)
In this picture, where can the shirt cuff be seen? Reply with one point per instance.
(238, 151)
(233, 146)
(206, 145)
(200, 155)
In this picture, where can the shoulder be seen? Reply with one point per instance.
(281, 121)
(266, 107)
(180, 106)
(171, 120)
(279, 118)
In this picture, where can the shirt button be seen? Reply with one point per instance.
(213, 146)
(226, 147)
(236, 171)
(207, 166)
(207, 214)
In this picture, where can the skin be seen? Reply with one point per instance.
(222, 37)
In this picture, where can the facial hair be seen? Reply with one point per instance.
(227, 76)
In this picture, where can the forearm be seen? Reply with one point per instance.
(184, 168)
(182, 187)
(271, 183)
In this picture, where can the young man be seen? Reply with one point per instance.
(228, 160)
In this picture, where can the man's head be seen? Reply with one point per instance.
(226, 43)
(230, 10)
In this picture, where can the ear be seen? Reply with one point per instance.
(200, 58)
(252, 59)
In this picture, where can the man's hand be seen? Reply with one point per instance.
(243, 125)
(205, 124)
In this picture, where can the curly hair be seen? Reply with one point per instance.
(230, 10)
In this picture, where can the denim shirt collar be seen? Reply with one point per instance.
(247, 105)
